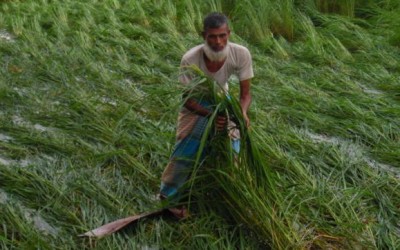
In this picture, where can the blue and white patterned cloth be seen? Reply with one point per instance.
(183, 159)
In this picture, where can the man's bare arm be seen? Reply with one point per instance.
(196, 108)
(245, 99)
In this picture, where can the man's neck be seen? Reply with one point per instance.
(213, 66)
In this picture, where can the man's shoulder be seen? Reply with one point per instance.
(239, 53)
(193, 53)
(238, 48)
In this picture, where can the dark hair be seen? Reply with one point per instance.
(214, 20)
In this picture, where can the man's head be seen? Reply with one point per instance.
(216, 34)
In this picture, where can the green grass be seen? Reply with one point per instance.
(88, 106)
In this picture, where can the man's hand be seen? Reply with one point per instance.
(245, 99)
(247, 120)
(220, 123)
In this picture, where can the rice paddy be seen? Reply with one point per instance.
(88, 105)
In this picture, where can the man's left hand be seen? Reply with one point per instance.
(247, 120)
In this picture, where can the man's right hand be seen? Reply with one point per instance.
(220, 123)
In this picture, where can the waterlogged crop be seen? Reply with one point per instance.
(89, 98)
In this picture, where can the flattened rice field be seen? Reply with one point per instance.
(88, 103)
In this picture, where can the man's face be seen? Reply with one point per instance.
(217, 38)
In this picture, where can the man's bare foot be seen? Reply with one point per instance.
(179, 212)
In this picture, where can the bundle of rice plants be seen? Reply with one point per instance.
(237, 184)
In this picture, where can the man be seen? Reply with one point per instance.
(219, 59)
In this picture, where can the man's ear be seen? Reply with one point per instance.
(203, 34)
